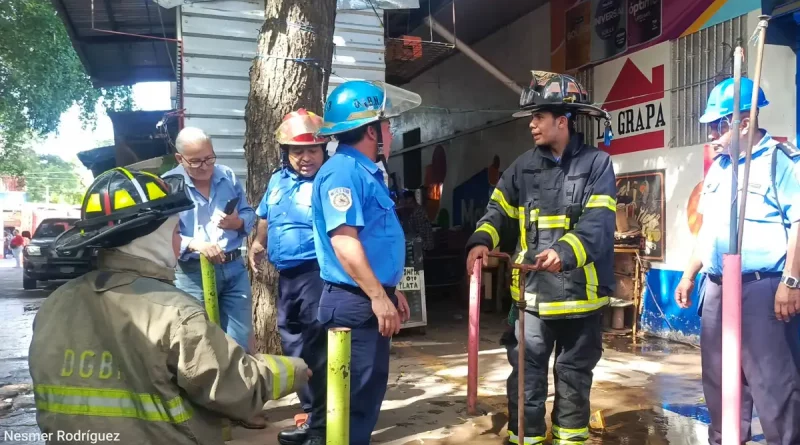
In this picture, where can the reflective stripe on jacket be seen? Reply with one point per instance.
(121, 350)
(567, 205)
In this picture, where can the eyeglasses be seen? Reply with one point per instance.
(197, 163)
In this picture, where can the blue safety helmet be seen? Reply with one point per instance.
(357, 103)
(720, 101)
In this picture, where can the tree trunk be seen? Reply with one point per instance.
(295, 47)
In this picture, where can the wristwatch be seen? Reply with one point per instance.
(790, 282)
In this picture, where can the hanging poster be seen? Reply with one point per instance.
(644, 21)
(609, 23)
(579, 35)
(645, 189)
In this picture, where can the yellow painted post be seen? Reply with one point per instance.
(338, 400)
(210, 289)
(211, 301)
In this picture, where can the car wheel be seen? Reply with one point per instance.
(28, 283)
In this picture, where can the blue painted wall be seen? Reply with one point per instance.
(661, 316)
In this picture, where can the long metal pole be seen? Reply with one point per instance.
(731, 286)
(521, 359)
(734, 150)
(338, 395)
(761, 32)
(211, 300)
(474, 331)
(469, 52)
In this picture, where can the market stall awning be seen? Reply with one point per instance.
(119, 41)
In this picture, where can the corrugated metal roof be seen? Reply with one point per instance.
(219, 45)
(121, 59)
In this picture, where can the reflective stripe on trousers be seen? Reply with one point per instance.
(513, 438)
(569, 436)
(110, 403)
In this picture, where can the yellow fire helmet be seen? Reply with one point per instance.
(122, 205)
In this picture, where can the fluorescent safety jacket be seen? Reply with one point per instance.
(121, 351)
(567, 205)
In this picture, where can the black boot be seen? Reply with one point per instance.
(315, 440)
(294, 436)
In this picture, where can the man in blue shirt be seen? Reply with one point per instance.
(207, 230)
(285, 229)
(359, 241)
(770, 271)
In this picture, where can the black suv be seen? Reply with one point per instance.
(42, 263)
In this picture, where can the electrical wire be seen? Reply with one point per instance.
(376, 13)
(164, 34)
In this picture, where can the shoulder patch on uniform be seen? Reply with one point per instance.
(341, 198)
(789, 149)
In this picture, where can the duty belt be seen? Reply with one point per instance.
(747, 277)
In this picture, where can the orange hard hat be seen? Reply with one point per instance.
(300, 128)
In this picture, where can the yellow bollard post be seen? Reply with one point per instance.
(338, 401)
(211, 301)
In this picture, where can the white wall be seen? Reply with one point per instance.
(452, 90)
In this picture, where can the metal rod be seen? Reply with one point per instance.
(521, 359)
(762, 33)
(469, 52)
(337, 427)
(731, 349)
(734, 149)
(211, 300)
(474, 335)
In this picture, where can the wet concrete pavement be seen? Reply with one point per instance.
(17, 310)
(648, 392)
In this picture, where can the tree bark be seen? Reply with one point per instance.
(279, 84)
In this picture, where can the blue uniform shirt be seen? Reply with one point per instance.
(349, 190)
(765, 237)
(196, 223)
(287, 208)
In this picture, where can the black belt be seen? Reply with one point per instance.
(357, 290)
(232, 256)
(747, 277)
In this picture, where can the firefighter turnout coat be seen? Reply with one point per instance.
(121, 355)
(567, 205)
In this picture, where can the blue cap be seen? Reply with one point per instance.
(720, 101)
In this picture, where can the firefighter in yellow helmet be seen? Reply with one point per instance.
(123, 354)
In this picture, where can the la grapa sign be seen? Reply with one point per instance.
(633, 90)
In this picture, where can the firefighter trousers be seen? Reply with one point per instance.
(578, 346)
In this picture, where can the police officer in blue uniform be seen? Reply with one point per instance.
(359, 241)
(285, 228)
(770, 271)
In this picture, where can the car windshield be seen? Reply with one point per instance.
(52, 228)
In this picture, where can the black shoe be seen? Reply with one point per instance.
(294, 436)
(315, 440)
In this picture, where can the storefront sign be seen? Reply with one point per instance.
(633, 90)
(411, 280)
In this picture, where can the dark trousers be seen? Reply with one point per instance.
(344, 306)
(770, 363)
(578, 345)
(303, 336)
